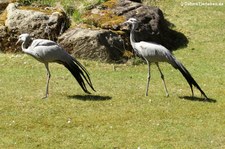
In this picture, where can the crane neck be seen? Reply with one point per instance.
(26, 44)
(132, 39)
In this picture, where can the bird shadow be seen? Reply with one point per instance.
(193, 98)
(90, 97)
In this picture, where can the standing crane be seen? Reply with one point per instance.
(47, 51)
(155, 53)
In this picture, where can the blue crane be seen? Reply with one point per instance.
(47, 51)
(155, 53)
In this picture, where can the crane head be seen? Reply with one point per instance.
(132, 21)
(23, 38)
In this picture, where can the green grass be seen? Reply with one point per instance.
(118, 115)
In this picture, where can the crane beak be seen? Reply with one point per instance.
(18, 41)
(127, 22)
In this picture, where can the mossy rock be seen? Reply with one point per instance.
(40, 22)
(152, 27)
(103, 16)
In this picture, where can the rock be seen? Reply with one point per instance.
(106, 40)
(31, 20)
(26, 21)
(37, 21)
(56, 25)
(153, 26)
(3, 4)
(109, 41)
(103, 45)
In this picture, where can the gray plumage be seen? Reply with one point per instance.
(155, 53)
(47, 51)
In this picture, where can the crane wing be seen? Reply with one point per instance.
(153, 52)
(46, 50)
(42, 42)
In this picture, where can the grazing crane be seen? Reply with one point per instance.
(155, 53)
(46, 51)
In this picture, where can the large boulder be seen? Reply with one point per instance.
(152, 24)
(40, 22)
(92, 44)
(107, 19)
(100, 36)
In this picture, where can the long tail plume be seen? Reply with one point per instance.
(188, 77)
(79, 73)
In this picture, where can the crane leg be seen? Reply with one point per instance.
(148, 78)
(47, 83)
(164, 83)
(192, 92)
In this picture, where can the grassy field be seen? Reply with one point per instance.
(118, 115)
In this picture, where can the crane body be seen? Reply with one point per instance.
(47, 51)
(155, 53)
